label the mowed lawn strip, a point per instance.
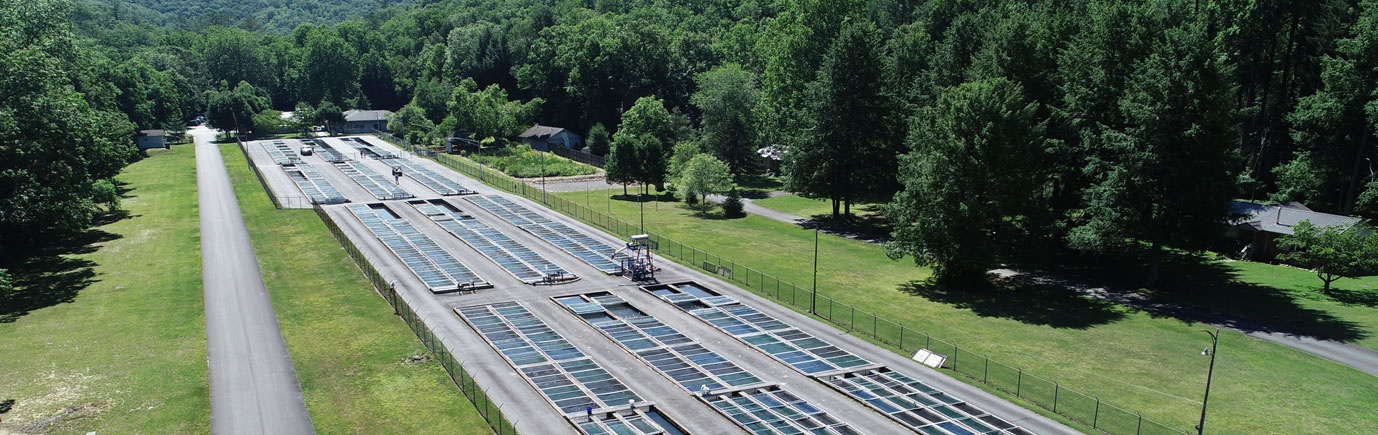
(128, 353)
(349, 350)
(1129, 358)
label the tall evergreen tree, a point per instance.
(848, 150)
(1334, 128)
(598, 140)
(1166, 178)
(974, 177)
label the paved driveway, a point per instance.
(253, 387)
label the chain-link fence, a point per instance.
(1075, 405)
(490, 410)
(578, 156)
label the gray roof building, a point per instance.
(543, 137)
(354, 115)
(1282, 218)
(364, 121)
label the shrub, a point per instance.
(732, 207)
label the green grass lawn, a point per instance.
(1285, 296)
(348, 348)
(109, 334)
(522, 162)
(1129, 358)
(801, 206)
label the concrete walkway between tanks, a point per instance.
(253, 386)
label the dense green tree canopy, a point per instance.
(1167, 177)
(234, 109)
(972, 179)
(1133, 95)
(726, 99)
(58, 151)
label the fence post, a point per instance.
(985, 374)
(901, 337)
(1140, 428)
(927, 341)
(954, 358)
(1019, 383)
(1095, 419)
(1056, 388)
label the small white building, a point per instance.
(542, 137)
(149, 139)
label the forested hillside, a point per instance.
(271, 16)
(1076, 124)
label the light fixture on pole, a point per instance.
(1215, 339)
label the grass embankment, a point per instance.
(109, 334)
(523, 162)
(1129, 358)
(349, 350)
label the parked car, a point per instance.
(306, 150)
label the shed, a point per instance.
(542, 137)
(149, 139)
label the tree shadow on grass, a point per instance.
(650, 197)
(1368, 298)
(871, 227)
(48, 273)
(1021, 301)
(1194, 289)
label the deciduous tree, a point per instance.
(1332, 252)
(706, 175)
(727, 98)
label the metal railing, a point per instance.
(490, 411)
(1051, 395)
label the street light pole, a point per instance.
(1215, 339)
(813, 297)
